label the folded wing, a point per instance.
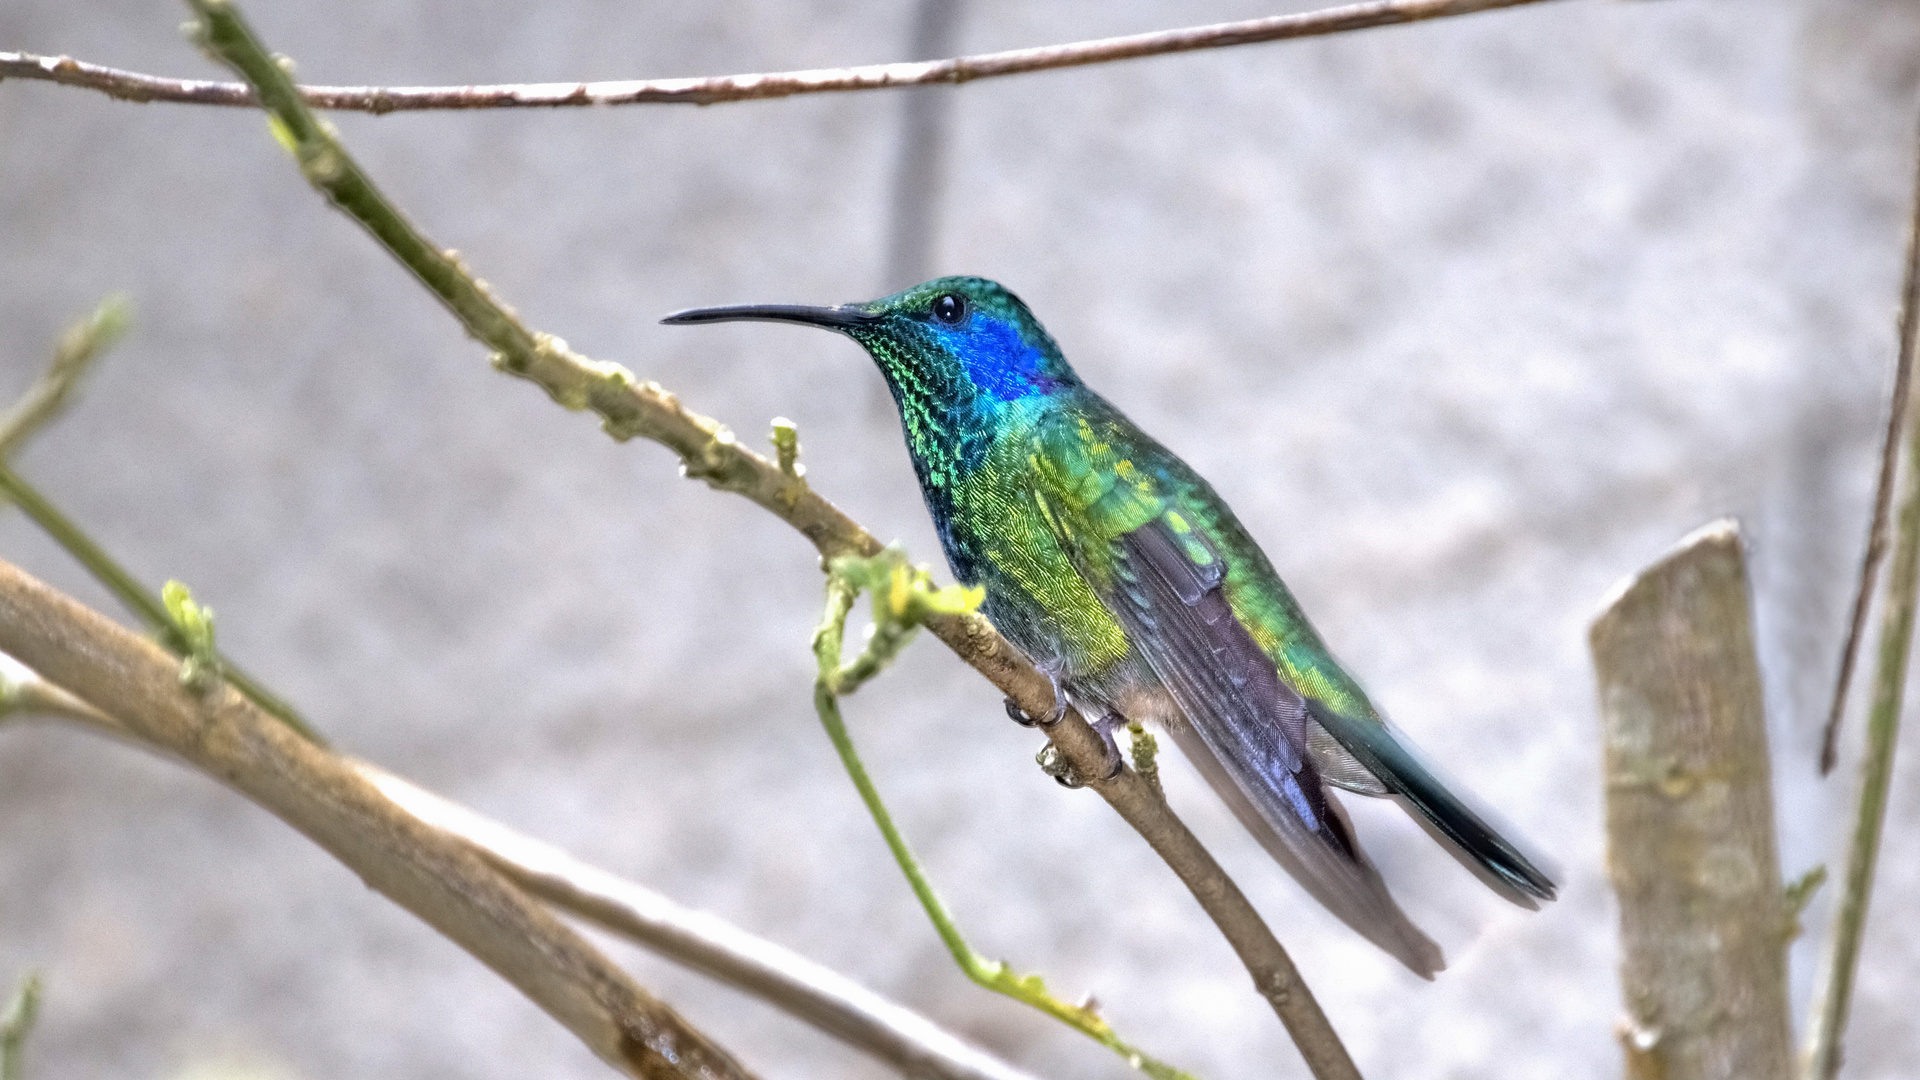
(1247, 731)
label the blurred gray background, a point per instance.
(1467, 319)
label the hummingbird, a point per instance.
(1128, 581)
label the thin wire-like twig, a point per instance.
(713, 90)
(1882, 492)
(1829, 1021)
(708, 451)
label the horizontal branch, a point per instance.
(713, 90)
(806, 990)
(420, 868)
(708, 451)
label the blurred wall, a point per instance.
(1467, 319)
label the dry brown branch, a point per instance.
(712, 90)
(813, 993)
(1690, 844)
(1883, 489)
(437, 878)
(818, 995)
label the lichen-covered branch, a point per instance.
(436, 877)
(629, 407)
(1703, 919)
(712, 90)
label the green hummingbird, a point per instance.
(1124, 578)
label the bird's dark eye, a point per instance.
(950, 308)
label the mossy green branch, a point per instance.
(631, 407)
(903, 596)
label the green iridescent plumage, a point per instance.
(1123, 576)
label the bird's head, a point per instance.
(948, 342)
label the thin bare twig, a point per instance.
(439, 879)
(1882, 491)
(808, 991)
(1829, 1021)
(708, 451)
(713, 90)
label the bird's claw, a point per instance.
(1105, 727)
(1020, 716)
(1055, 764)
(1026, 719)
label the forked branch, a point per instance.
(422, 869)
(629, 407)
(804, 989)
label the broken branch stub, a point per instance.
(1690, 841)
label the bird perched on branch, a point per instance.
(1123, 576)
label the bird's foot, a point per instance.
(1055, 764)
(1020, 716)
(1105, 727)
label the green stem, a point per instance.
(137, 598)
(15, 1023)
(1829, 1022)
(82, 344)
(903, 597)
(994, 975)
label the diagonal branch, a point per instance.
(1828, 1024)
(83, 343)
(436, 877)
(629, 407)
(712, 90)
(1882, 492)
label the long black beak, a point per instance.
(833, 318)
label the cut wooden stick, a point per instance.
(1690, 840)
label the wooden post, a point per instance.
(1703, 922)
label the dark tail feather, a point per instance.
(1338, 875)
(1463, 831)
